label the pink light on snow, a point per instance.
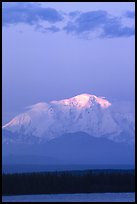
(83, 101)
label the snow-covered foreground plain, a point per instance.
(90, 197)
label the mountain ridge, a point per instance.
(85, 112)
(71, 148)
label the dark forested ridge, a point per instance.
(69, 182)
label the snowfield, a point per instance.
(90, 197)
(88, 113)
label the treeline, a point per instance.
(68, 182)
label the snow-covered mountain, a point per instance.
(87, 113)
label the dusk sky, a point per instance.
(53, 51)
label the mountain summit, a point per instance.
(85, 112)
(84, 101)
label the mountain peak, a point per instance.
(85, 112)
(84, 101)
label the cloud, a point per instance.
(92, 24)
(29, 13)
(44, 29)
(99, 22)
(74, 14)
(53, 29)
(86, 22)
(130, 14)
(114, 28)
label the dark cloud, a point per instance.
(53, 29)
(130, 14)
(86, 22)
(74, 14)
(89, 22)
(114, 28)
(44, 29)
(82, 24)
(30, 13)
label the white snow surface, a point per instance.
(88, 113)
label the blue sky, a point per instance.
(57, 50)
